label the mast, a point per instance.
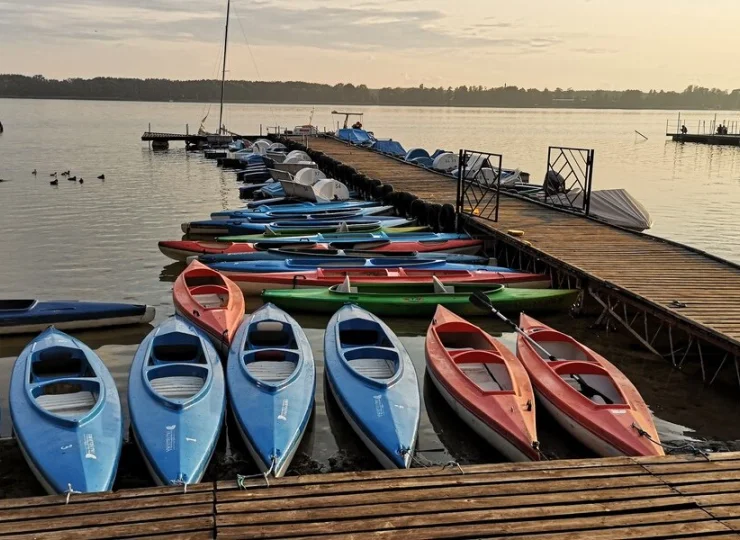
(223, 72)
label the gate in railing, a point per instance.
(568, 179)
(478, 182)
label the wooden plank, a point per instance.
(127, 530)
(475, 529)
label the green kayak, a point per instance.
(286, 232)
(419, 300)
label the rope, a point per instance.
(671, 447)
(241, 478)
(453, 465)
(416, 458)
(536, 446)
(70, 492)
(180, 481)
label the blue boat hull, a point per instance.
(312, 263)
(245, 226)
(70, 444)
(338, 256)
(32, 316)
(176, 435)
(289, 205)
(384, 413)
(329, 238)
(271, 416)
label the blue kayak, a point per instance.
(176, 399)
(292, 227)
(328, 238)
(290, 205)
(341, 255)
(33, 316)
(312, 263)
(271, 379)
(66, 414)
(253, 215)
(374, 382)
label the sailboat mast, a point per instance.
(223, 73)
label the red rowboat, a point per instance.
(587, 395)
(484, 383)
(209, 300)
(255, 283)
(180, 250)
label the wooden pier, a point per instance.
(679, 302)
(703, 138)
(596, 499)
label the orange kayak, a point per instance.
(484, 383)
(211, 301)
(587, 394)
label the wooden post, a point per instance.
(186, 130)
(260, 130)
(150, 130)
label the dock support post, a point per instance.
(608, 309)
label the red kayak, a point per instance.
(255, 283)
(587, 395)
(210, 301)
(180, 250)
(484, 383)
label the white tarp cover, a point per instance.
(615, 206)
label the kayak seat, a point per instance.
(271, 371)
(271, 334)
(441, 288)
(177, 387)
(72, 404)
(481, 377)
(562, 350)
(211, 301)
(374, 368)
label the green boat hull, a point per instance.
(420, 300)
(251, 238)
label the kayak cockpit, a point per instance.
(211, 296)
(17, 305)
(177, 368)
(62, 382)
(476, 357)
(272, 352)
(367, 350)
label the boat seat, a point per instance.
(482, 377)
(374, 368)
(210, 301)
(441, 288)
(271, 371)
(562, 350)
(177, 387)
(74, 404)
(270, 334)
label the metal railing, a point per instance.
(478, 183)
(569, 177)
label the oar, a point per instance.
(481, 301)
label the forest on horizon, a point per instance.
(125, 89)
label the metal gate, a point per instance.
(568, 179)
(478, 182)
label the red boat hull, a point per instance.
(609, 428)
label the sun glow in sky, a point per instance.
(585, 44)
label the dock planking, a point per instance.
(646, 271)
(662, 497)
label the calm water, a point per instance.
(98, 240)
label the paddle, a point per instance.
(481, 301)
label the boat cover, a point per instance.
(389, 146)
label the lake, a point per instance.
(98, 240)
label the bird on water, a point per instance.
(73, 178)
(65, 173)
(53, 174)
(81, 180)
(101, 177)
(54, 182)
(33, 172)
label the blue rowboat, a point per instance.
(290, 205)
(374, 382)
(176, 399)
(66, 414)
(271, 379)
(315, 212)
(341, 255)
(327, 238)
(33, 316)
(290, 227)
(312, 263)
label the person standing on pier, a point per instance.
(684, 129)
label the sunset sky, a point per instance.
(661, 44)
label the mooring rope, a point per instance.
(242, 478)
(70, 492)
(180, 481)
(671, 447)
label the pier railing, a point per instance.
(569, 178)
(478, 183)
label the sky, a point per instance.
(583, 44)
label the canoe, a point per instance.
(33, 316)
(180, 250)
(302, 264)
(346, 237)
(586, 394)
(210, 301)
(484, 383)
(176, 401)
(271, 379)
(297, 227)
(291, 206)
(419, 300)
(256, 214)
(374, 383)
(276, 254)
(255, 283)
(66, 414)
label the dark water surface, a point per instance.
(98, 240)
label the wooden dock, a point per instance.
(596, 499)
(646, 284)
(706, 138)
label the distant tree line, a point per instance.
(110, 88)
